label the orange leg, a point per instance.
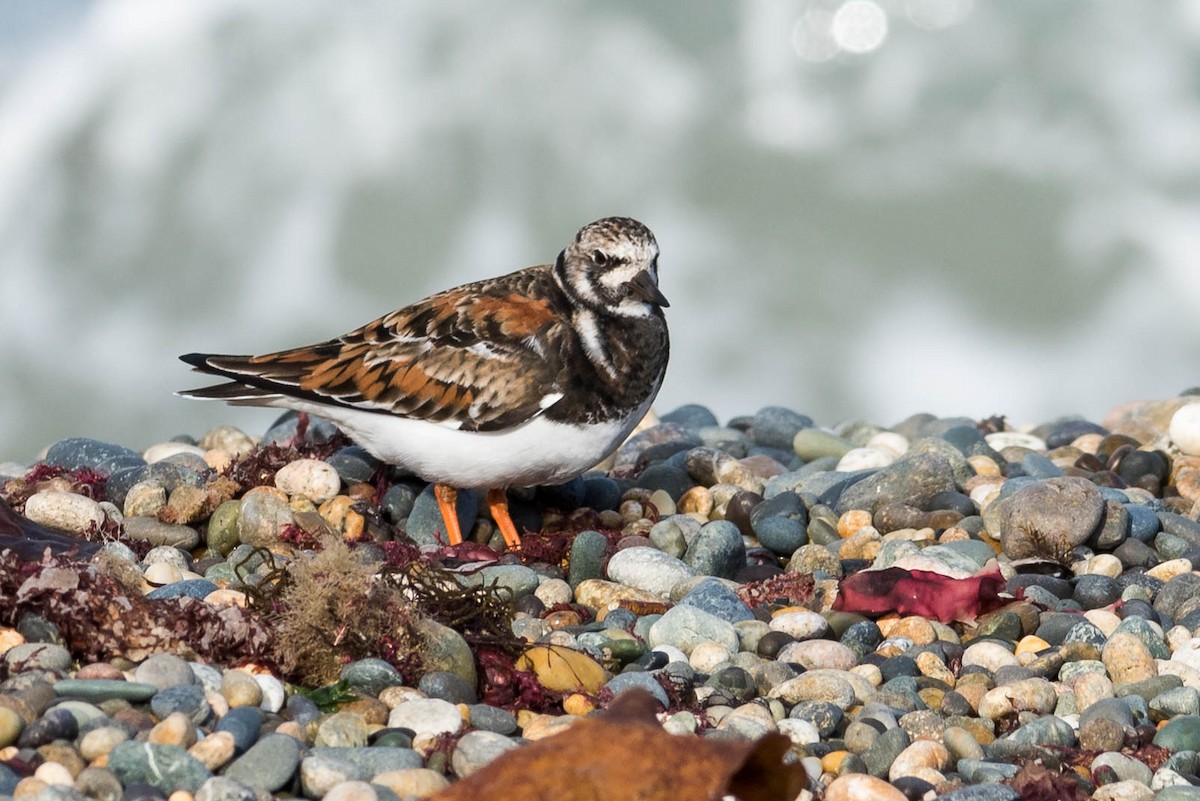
(447, 500)
(498, 505)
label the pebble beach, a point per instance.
(942, 607)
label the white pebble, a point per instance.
(800, 732)
(1184, 429)
(160, 573)
(673, 653)
(54, 773)
(1014, 439)
(430, 716)
(708, 655)
(990, 655)
(865, 459)
(801, 625)
(273, 691)
(889, 441)
(64, 511)
(309, 478)
(553, 592)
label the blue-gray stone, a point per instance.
(883, 752)
(1180, 734)
(1048, 730)
(55, 724)
(1175, 702)
(269, 764)
(74, 453)
(964, 437)
(1175, 593)
(1039, 466)
(1178, 792)
(715, 598)
(822, 714)
(424, 525)
(982, 792)
(776, 426)
(188, 588)
(515, 580)
(1143, 522)
(910, 480)
(1180, 526)
(564, 497)
(397, 502)
(448, 687)
(8, 780)
(691, 416)
(862, 637)
(374, 759)
(354, 464)
(982, 771)
(244, 723)
(105, 689)
(781, 523)
(625, 681)
(165, 767)
(493, 718)
(600, 493)
(85, 714)
(587, 557)
(717, 550)
(371, 676)
(1095, 591)
(171, 476)
(301, 709)
(186, 698)
(673, 480)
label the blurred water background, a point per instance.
(867, 208)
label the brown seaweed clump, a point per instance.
(334, 608)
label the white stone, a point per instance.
(865, 459)
(673, 653)
(274, 693)
(64, 511)
(1014, 439)
(802, 625)
(708, 655)
(553, 592)
(1103, 564)
(160, 573)
(1184, 429)
(889, 441)
(309, 478)
(990, 655)
(431, 716)
(800, 732)
(54, 773)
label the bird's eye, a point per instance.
(599, 258)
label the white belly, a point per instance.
(538, 452)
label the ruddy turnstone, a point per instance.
(525, 379)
